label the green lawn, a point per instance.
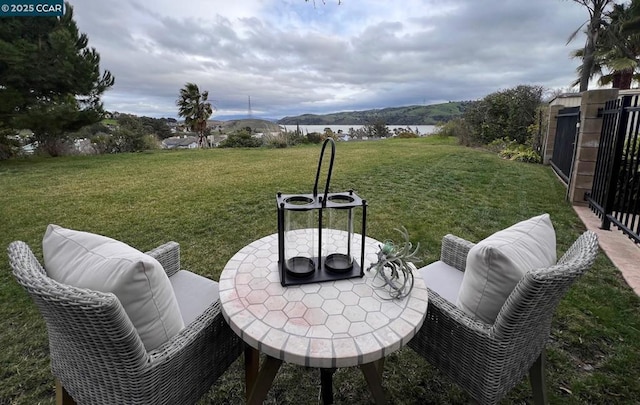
(213, 202)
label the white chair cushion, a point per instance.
(194, 294)
(496, 264)
(443, 279)
(96, 262)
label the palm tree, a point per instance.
(633, 25)
(616, 51)
(195, 109)
(596, 9)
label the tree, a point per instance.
(195, 109)
(377, 128)
(130, 136)
(241, 139)
(594, 25)
(157, 126)
(504, 114)
(50, 81)
(618, 50)
(633, 25)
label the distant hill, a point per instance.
(409, 115)
(256, 125)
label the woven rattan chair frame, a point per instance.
(96, 354)
(485, 360)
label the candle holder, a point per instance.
(309, 252)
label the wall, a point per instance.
(588, 139)
(587, 143)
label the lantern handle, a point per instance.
(326, 186)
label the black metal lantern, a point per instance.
(309, 252)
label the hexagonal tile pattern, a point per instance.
(329, 293)
(312, 300)
(275, 302)
(333, 307)
(332, 324)
(276, 318)
(354, 313)
(315, 316)
(257, 297)
(348, 298)
(338, 324)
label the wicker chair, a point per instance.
(98, 358)
(485, 360)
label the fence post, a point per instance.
(547, 151)
(587, 143)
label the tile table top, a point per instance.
(331, 324)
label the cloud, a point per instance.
(291, 57)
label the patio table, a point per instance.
(326, 325)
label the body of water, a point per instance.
(422, 129)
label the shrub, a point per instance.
(241, 139)
(9, 145)
(276, 141)
(101, 143)
(314, 137)
(504, 113)
(152, 142)
(127, 140)
(456, 128)
(507, 153)
(500, 144)
(520, 153)
(527, 156)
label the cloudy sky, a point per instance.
(291, 57)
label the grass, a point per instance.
(110, 121)
(213, 202)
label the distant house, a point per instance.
(215, 143)
(180, 142)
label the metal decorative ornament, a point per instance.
(394, 268)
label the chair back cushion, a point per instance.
(96, 262)
(496, 264)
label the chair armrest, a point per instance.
(208, 335)
(185, 337)
(448, 312)
(449, 338)
(454, 251)
(168, 255)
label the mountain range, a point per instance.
(409, 115)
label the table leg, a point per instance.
(380, 367)
(326, 385)
(372, 374)
(251, 365)
(258, 389)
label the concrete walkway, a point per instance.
(624, 254)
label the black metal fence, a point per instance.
(565, 140)
(615, 194)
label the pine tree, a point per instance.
(50, 81)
